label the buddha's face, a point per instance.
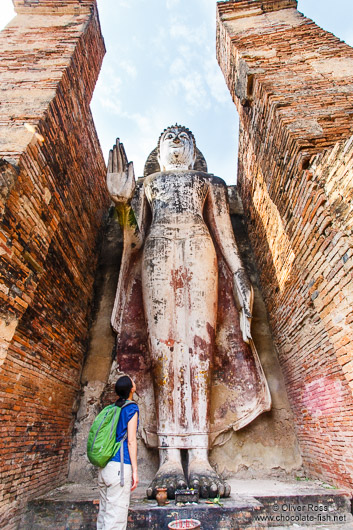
(176, 150)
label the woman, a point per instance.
(114, 499)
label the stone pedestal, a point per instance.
(253, 504)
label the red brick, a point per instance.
(294, 176)
(56, 202)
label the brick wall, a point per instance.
(291, 83)
(53, 204)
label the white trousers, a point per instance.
(114, 499)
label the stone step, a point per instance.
(253, 504)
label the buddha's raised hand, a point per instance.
(120, 175)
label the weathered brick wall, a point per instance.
(52, 7)
(292, 84)
(53, 204)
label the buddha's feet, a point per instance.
(202, 477)
(170, 475)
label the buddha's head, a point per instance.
(176, 148)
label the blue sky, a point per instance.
(160, 68)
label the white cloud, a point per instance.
(124, 3)
(195, 93)
(168, 47)
(108, 89)
(178, 67)
(194, 73)
(191, 89)
(129, 68)
(113, 104)
(215, 81)
(194, 35)
(109, 82)
(172, 3)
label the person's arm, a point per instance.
(132, 446)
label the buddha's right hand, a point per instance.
(120, 175)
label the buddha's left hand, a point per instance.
(244, 296)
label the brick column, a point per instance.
(53, 203)
(292, 84)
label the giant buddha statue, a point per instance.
(177, 221)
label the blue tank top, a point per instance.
(125, 416)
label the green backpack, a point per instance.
(101, 443)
